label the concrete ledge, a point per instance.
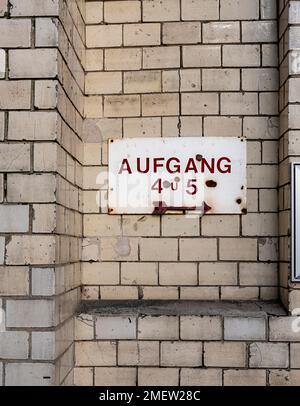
(181, 308)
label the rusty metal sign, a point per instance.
(177, 175)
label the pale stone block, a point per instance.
(173, 225)
(31, 125)
(93, 106)
(161, 57)
(119, 293)
(14, 281)
(190, 80)
(239, 10)
(94, 59)
(14, 157)
(14, 344)
(238, 249)
(46, 32)
(158, 328)
(119, 248)
(136, 353)
(284, 378)
(268, 249)
(241, 55)
(43, 345)
(45, 94)
(198, 249)
(84, 327)
(269, 55)
(102, 36)
(225, 354)
(103, 82)
(185, 354)
(200, 103)
(139, 273)
(90, 293)
(239, 104)
(295, 355)
(260, 79)
(244, 328)
(120, 106)
(115, 376)
(122, 11)
(2, 120)
(112, 328)
(281, 329)
(29, 374)
(201, 55)
(259, 274)
(217, 273)
(123, 59)
(267, 355)
(158, 249)
(178, 274)
(161, 10)
(241, 377)
(95, 353)
(222, 126)
(221, 32)
(15, 33)
(2, 249)
(161, 293)
(141, 34)
(43, 281)
(137, 225)
(2, 63)
(268, 103)
(94, 12)
(200, 10)
(261, 127)
(268, 9)
(200, 377)
(101, 224)
(259, 31)
(142, 82)
(158, 376)
(170, 80)
(100, 273)
(3, 7)
(191, 126)
(262, 176)
(31, 188)
(34, 8)
(262, 224)
(221, 79)
(83, 376)
(32, 63)
(30, 313)
(142, 127)
(239, 293)
(14, 219)
(220, 225)
(15, 94)
(92, 153)
(201, 328)
(182, 33)
(199, 293)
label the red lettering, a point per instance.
(211, 167)
(191, 166)
(176, 168)
(156, 164)
(125, 166)
(227, 168)
(146, 170)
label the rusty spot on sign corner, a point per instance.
(239, 200)
(110, 210)
(211, 183)
(206, 207)
(199, 157)
(242, 187)
(244, 211)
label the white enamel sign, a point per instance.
(295, 220)
(162, 175)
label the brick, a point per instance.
(267, 355)
(220, 225)
(262, 176)
(177, 274)
(281, 329)
(161, 57)
(161, 10)
(15, 94)
(84, 327)
(29, 374)
(259, 79)
(239, 10)
(142, 82)
(44, 218)
(94, 12)
(94, 59)
(222, 126)
(115, 376)
(200, 377)
(46, 157)
(225, 354)
(200, 103)
(201, 55)
(136, 353)
(43, 281)
(170, 81)
(240, 377)
(45, 94)
(241, 55)
(239, 293)
(201, 328)
(3, 7)
(32, 125)
(161, 293)
(261, 127)
(83, 376)
(238, 249)
(100, 273)
(295, 355)
(191, 126)
(142, 127)
(15, 33)
(160, 104)
(284, 378)
(270, 152)
(158, 328)
(102, 36)
(2, 122)
(90, 293)
(122, 11)
(14, 219)
(158, 249)
(30, 249)
(239, 103)
(120, 106)
(92, 153)
(221, 32)
(268, 9)
(173, 225)
(2, 63)
(93, 105)
(1, 188)
(140, 225)
(182, 33)
(268, 103)
(141, 34)
(34, 8)
(123, 59)
(109, 328)
(199, 293)
(268, 249)
(244, 328)
(258, 274)
(29, 313)
(14, 281)
(119, 292)
(14, 157)
(95, 353)
(198, 249)
(221, 79)
(259, 31)
(2, 249)
(101, 224)
(139, 274)
(32, 63)
(200, 10)
(269, 55)
(181, 354)
(46, 32)
(217, 274)
(103, 82)
(31, 188)
(119, 248)
(158, 376)
(190, 80)
(43, 345)
(268, 200)
(264, 224)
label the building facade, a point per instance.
(77, 283)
